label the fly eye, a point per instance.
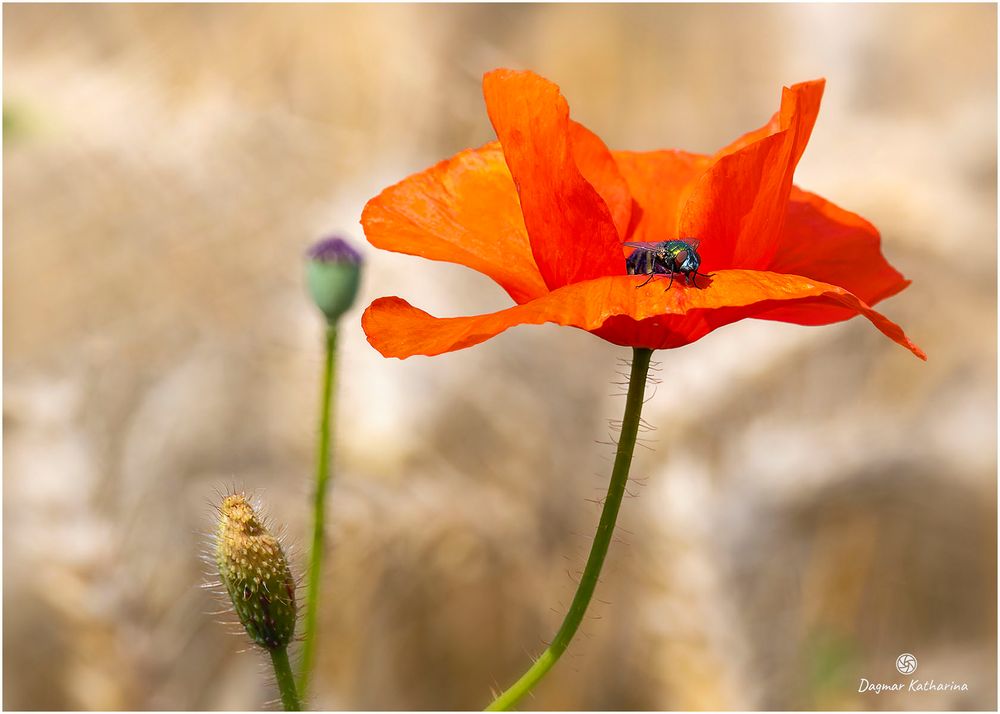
(681, 257)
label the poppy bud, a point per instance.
(333, 272)
(254, 570)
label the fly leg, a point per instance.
(671, 281)
(695, 275)
(651, 274)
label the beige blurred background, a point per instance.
(817, 503)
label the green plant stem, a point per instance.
(602, 539)
(319, 512)
(286, 683)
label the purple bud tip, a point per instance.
(334, 249)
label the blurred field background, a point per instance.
(817, 503)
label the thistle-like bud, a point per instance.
(333, 273)
(254, 570)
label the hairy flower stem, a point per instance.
(602, 539)
(319, 512)
(286, 683)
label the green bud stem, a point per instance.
(602, 539)
(286, 683)
(319, 512)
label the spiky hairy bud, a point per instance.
(254, 570)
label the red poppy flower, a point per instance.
(544, 212)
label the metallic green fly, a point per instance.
(667, 257)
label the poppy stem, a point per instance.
(319, 512)
(602, 539)
(286, 683)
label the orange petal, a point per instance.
(773, 126)
(656, 318)
(737, 208)
(825, 242)
(799, 105)
(572, 231)
(659, 182)
(463, 210)
(599, 168)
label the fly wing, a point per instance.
(645, 245)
